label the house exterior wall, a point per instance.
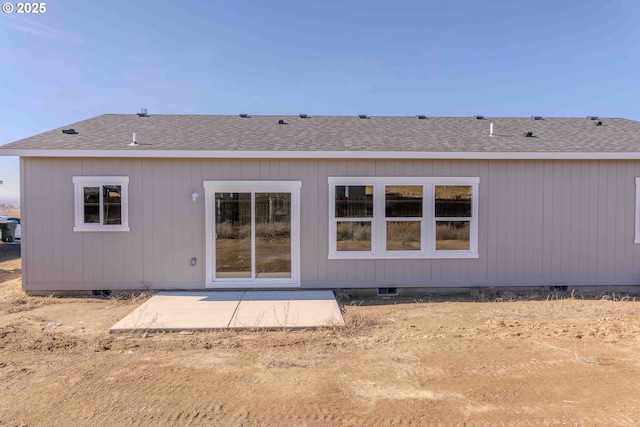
(540, 222)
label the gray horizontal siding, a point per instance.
(540, 223)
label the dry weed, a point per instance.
(358, 323)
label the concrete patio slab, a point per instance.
(205, 310)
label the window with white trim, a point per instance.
(101, 203)
(452, 217)
(403, 217)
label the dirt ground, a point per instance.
(499, 360)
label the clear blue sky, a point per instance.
(83, 58)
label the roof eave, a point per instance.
(425, 155)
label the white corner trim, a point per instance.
(240, 154)
(637, 217)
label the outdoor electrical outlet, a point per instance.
(193, 261)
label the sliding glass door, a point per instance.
(253, 234)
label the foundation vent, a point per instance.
(387, 292)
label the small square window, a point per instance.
(101, 203)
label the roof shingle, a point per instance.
(339, 133)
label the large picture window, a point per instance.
(394, 217)
(101, 203)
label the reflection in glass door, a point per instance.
(273, 235)
(233, 235)
(253, 235)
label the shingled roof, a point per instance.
(331, 134)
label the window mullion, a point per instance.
(101, 204)
(428, 216)
(253, 235)
(380, 226)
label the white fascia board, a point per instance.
(464, 155)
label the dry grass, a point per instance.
(564, 356)
(357, 323)
(10, 212)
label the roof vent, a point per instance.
(244, 115)
(362, 116)
(598, 123)
(303, 116)
(281, 122)
(479, 117)
(69, 131)
(134, 142)
(528, 134)
(422, 117)
(592, 117)
(537, 117)
(143, 113)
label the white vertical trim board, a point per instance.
(637, 238)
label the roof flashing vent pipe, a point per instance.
(134, 142)
(491, 129)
